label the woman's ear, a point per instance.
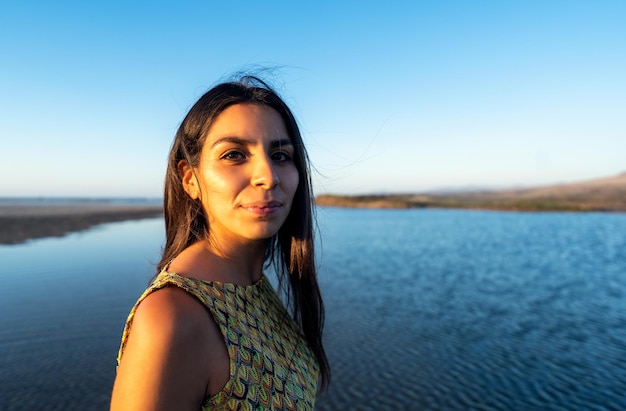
(189, 180)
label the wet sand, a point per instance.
(19, 223)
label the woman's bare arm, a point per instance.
(174, 355)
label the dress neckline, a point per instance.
(257, 283)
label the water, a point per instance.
(457, 310)
(426, 309)
(63, 304)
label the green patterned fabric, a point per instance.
(271, 365)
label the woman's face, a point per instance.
(246, 177)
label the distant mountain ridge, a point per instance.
(603, 194)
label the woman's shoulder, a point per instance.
(168, 343)
(172, 314)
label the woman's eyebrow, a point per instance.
(280, 143)
(231, 139)
(243, 141)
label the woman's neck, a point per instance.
(208, 260)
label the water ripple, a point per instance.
(481, 311)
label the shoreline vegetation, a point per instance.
(22, 222)
(605, 194)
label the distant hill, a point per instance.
(604, 194)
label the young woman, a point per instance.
(211, 332)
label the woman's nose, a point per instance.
(264, 172)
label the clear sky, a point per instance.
(392, 96)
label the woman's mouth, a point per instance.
(263, 208)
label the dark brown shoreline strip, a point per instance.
(17, 228)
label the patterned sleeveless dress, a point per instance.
(271, 365)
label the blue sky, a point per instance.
(402, 96)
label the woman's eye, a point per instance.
(281, 156)
(233, 156)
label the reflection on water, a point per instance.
(426, 309)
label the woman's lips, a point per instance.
(263, 208)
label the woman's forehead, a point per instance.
(248, 121)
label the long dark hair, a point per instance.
(291, 250)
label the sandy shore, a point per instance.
(19, 223)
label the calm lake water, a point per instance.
(426, 310)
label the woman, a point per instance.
(210, 332)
